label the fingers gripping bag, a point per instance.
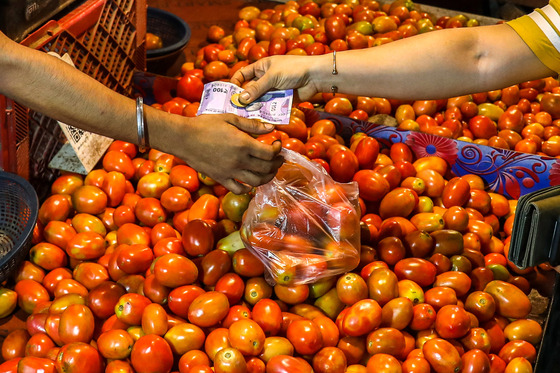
(303, 225)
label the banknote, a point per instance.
(223, 97)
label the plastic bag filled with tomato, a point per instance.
(303, 225)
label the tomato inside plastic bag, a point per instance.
(303, 225)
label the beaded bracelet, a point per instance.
(143, 143)
(334, 88)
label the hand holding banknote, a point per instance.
(222, 97)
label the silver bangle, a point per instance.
(334, 88)
(143, 143)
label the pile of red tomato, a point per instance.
(140, 267)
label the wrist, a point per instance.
(323, 72)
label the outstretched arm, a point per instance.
(440, 64)
(220, 146)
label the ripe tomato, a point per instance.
(442, 356)
(475, 361)
(66, 184)
(268, 314)
(371, 184)
(90, 274)
(361, 318)
(232, 285)
(151, 353)
(184, 176)
(245, 263)
(344, 164)
(198, 238)
(115, 160)
(29, 294)
(76, 324)
(35, 364)
(287, 364)
(174, 270)
(367, 151)
(510, 300)
(383, 363)
(329, 359)
(216, 340)
(191, 359)
(247, 336)
(175, 199)
(130, 307)
(150, 212)
(102, 299)
(89, 199)
(180, 299)
(190, 88)
(55, 207)
(49, 256)
(213, 266)
(305, 336)
(208, 309)
(230, 360)
(86, 246)
(134, 258)
(452, 322)
(115, 344)
(14, 344)
(383, 285)
(351, 288)
(153, 184)
(184, 337)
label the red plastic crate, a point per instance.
(105, 39)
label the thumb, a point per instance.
(254, 90)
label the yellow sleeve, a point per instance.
(540, 30)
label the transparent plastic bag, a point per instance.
(303, 225)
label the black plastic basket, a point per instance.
(174, 32)
(19, 207)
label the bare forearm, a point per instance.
(54, 88)
(438, 64)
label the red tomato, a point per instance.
(383, 363)
(115, 344)
(190, 88)
(366, 151)
(174, 270)
(151, 353)
(268, 315)
(102, 299)
(371, 184)
(49, 256)
(76, 324)
(184, 176)
(30, 294)
(418, 270)
(343, 164)
(361, 318)
(247, 336)
(86, 246)
(287, 364)
(305, 336)
(89, 199)
(180, 299)
(130, 307)
(208, 309)
(442, 356)
(452, 322)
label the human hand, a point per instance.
(276, 72)
(221, 146)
